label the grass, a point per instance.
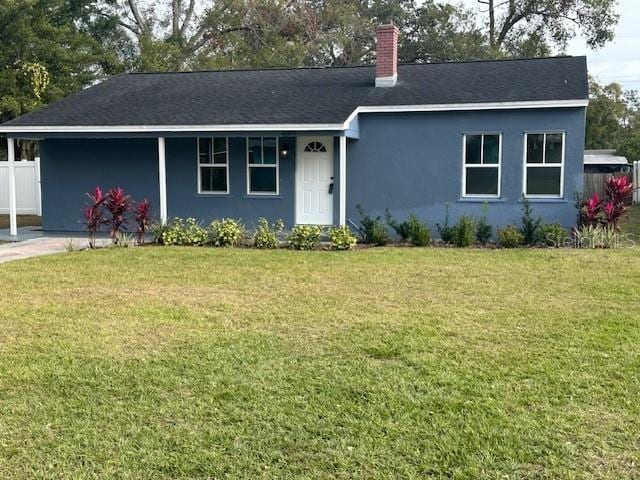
(376, 364)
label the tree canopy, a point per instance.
(613, 119)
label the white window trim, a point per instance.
(219, 165)
(481, 164)
(544, 163)
(261, 165)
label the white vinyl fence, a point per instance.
(636, 182)
(27, 187)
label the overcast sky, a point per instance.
(619, 61)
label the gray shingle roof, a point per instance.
(307, 95)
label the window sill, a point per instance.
(481, 200)
(264, 195)
(213, 195)
(545, 200)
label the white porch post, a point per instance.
(343, 180)
(38, 187)
(162, 178)
(13, 214)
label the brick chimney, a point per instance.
(387, 55)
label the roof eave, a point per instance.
(312, 127)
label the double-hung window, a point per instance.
(213, 165)
(544, 164)
(262, 166)
(481, 175)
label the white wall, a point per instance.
(27, 187)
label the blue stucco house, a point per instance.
(308, 145)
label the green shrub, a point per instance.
(420, 235)
(266, 236)
(412, 229)
(484, 231)
(611, 237)
(227, 232)
(305, 237)
(342, 238)
(182, 232)
(447, 233)
(123, 240)
(401, 228)
(552, 235)
(530, 225)
(157, 231)
(510, 237)
(465, 232)
(373, 230)
(597, 236)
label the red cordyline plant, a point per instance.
(618, 189)
(94, 214)
(143, 219)
(118, 203)
(591, 211)
(607, 212)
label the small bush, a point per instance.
(597, 236)
(447, 233)
(227, 232)
(342, 238)
(588, 236)
(552, 235)
(510, 237)
(484, 231)
(182, 232)
(94, 214)
(305, 237)
(611, 238)
(373, 230)
(401, 228)
(123, 240)
(118, 204)
(609, 211)
(412, 229)
(157, 231)
(530, 225)
(266, 236)
(419, 233)
(143, 219)
(465, 232)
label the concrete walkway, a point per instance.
(35, 247)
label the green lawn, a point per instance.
(382, 363)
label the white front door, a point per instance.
(314, 180)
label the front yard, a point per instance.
(381, 363)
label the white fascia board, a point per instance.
(444, 107)
(456, 107)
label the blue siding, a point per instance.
(412, 163)
(408, 163)
(72, 167)
(183, 199)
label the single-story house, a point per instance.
(604, 161)
(308, 145)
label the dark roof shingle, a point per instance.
(306, 95)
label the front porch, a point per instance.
(299, 177)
